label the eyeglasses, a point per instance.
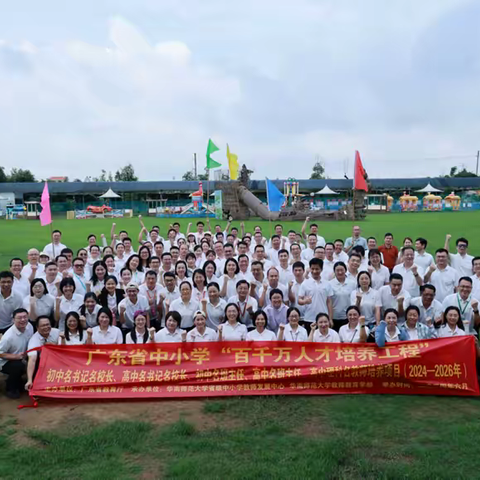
(79, 265)
(461, 245)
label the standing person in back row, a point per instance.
(389, 252)
(355, 239)
(460, 261)
(55, 248)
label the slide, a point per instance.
(254, 204)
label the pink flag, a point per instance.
(46, 214)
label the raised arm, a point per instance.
(304, 227)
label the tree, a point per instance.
(318, 172)
(3, 176)
(126, 174)
(190, 177)
(103, 176)
(110, 177)
(19, 175)
(455, 173)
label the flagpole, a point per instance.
(208, 196)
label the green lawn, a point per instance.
(20, 235)
(294, 437)
(341, 437)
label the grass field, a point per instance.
(296, 437)
(338, 437)
(19, 235)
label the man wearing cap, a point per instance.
(53, 249)
(132, 303)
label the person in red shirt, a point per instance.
(389, 251)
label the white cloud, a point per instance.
(281, 81)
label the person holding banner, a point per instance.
(452, 324)
(321, 332)
(44, 334)
(74, 333)
(140, 334)
(171, 332)
(355, 330)
(201, 333)
(261, 332)
(388, 331)
(13, 347)
(104, 333)
(292, 331)
(232, 330)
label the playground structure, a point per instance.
(290, 191)
(432, 203)
(408, 203)
(452, 202)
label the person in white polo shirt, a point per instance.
(45, 334)
(132, 303)
(467, 305)
(105, 333)
(453, 325)
(172, 332)
(247, 304)
(422, 258)
(314, 294)
(476, 277)
(21, 284)
(321, 331)
(186, 305)
(411, 274)
(355, 330)
(267, 287)
(261, 332)
(53, 249)
(9, 301)
(442, 276)
(13, 348)
(308, 253)
(342, 289)
(460, 261)
(428, 306)
(292, 331)
(232, 330)
(214, 307)
(365, 298)
(392, 296)
(201, 333)
(33, 268)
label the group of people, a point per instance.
(232, 285)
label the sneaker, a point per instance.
(14, 394)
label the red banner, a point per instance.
(433, 367)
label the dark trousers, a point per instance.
(15, 370)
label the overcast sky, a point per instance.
(97, 84)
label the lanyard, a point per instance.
(462, 310)
(81, 281)
(244, 307)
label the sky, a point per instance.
(102, 83)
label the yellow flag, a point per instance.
(232, 164)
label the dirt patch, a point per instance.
(57, 414)
(314, 428)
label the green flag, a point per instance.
(212, 148)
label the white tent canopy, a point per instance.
(428, 189)
(110, 194)
(326, 191)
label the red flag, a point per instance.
(360, 175)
